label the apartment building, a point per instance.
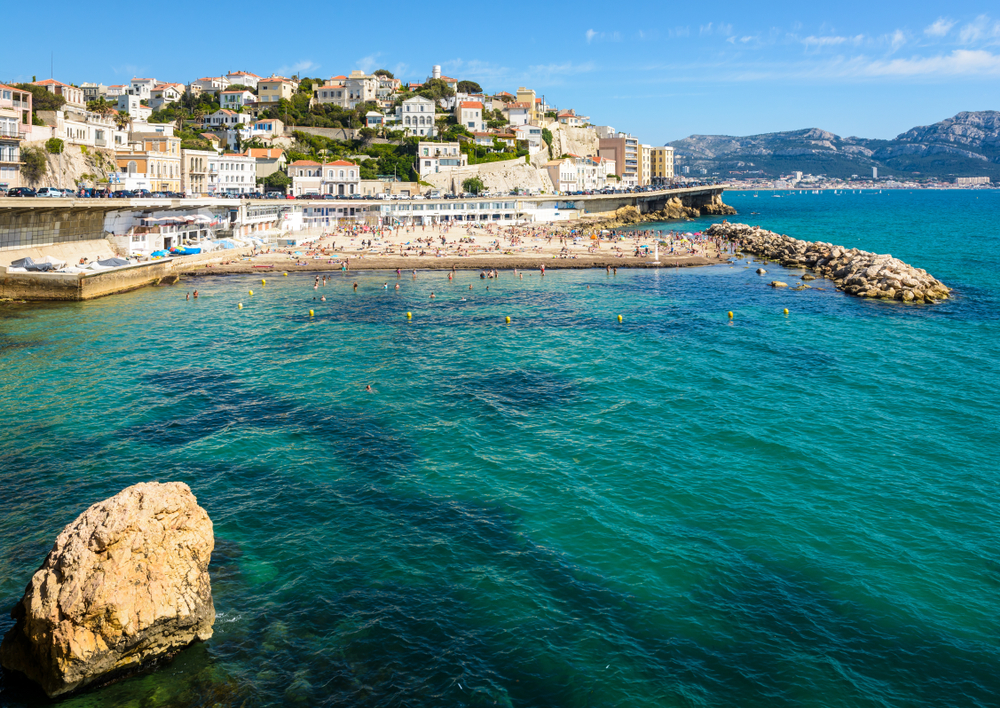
(340, 178)
(432, 157)
(244, 78)
(662, 164)
(232, 173)
(624, 150)
(72, 94)
(195, 171)
(273, 89)
(15, 126)
(417, 115)
(157, 156)
(470, 115)
(645, 165)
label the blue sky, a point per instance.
(661, 71)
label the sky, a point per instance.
(659, 70)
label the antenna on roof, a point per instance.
(52, 65)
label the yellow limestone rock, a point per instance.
(125, 585)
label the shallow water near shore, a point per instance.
(676, 510)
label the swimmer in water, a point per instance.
(397, 286)
(470, 287)
(195, 294)
(368, 388)
(385, 286)
(432, 296)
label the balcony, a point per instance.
(11, 134)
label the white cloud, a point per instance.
(299, 68)
(980, 30)
(961, 62)
(939, 28)
(369, 63)
(592, 35)
(896, 40)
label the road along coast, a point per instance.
(856, 272)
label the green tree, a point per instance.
(54, 146)
(473, 184)
(42, 99)
(33, 163)
(469, 87)
(383, 72)
(277, 181)
(367, 134)
(436, 89)
(547, 137)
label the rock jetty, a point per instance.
(854, 271)
(125, 585)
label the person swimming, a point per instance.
(385, 286)
(397, 286)
(355, 287)
(369, 389)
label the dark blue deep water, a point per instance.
(678, 510)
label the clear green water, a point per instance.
(564, 511)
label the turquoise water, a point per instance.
(677, 510)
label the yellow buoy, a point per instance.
(284, 273)
(240, 305)
(310, 313)
(619, 318)
(786, 310)
(251, 292)
(730, 314)
(263, 281)
(508, 319)
(409, 315)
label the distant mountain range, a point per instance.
(967, 145)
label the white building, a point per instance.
(435, 157)
(131, 105)
(470, 115)
(348, 91)
(264, 130)
(163, 94)
(571, 119)
(232, 173)
(417, 115)
(244, 78)
(234, 100)
(143, 88)
(533, 135)
(518, 113)
(224, 118)
(340, 178)
(208, 84)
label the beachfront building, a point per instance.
(232, 173)
(417, 115)
(268, 160)
(624, 150)
(562, 173)
(436, 157)
(195, 171)
(339, 178)
(273, 89)
(645, 173)
(15, 127)
(662, 165)
(156, 157)
(470, 115)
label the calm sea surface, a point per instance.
(678, 510)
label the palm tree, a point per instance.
(122, 120)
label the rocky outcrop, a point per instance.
(674, 209)
(854, 271)
(125, 585)
(75, 165)
(503, 177)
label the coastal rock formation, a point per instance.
(125, 585)
(674, 209)
(854, 271)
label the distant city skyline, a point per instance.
(660, 72)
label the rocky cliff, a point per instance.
(76, 164)
(497, 176)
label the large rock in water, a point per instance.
(126, 584)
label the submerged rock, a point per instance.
(778, 284)
(125, 585)
(761, 271)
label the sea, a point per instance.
(677, 509)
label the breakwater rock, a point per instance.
(854, 271)
(674, 209)
(125, 585)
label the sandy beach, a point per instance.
(468, 247)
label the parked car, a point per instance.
(49, 192)
(21, 192)
(289, 196)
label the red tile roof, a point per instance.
(304, 163)
(271, 153)
(471, 104)
(341, 163)
(49, 82)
